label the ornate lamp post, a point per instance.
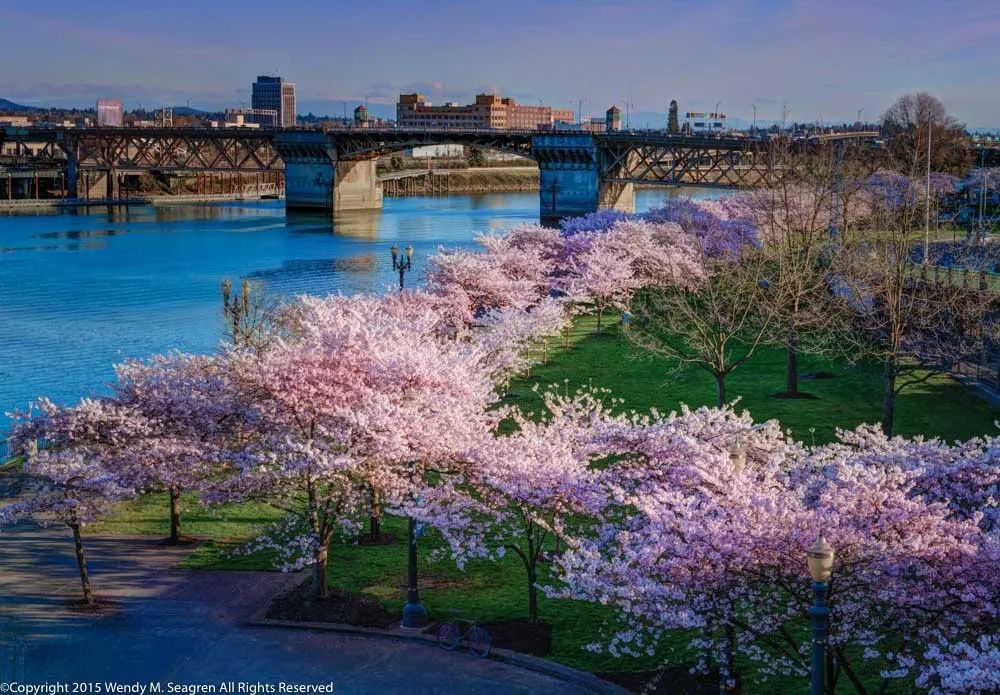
(414, 613)
(738, 456)
(401, 264)
(820, 560)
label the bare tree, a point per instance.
(916, 319)
(812, 200)
(251, 317)
(716, 327)
(914, 118)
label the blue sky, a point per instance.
(825, 60)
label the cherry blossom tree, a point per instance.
(721, 226)
(350, 416)
(69, 476)
(191, 410)
(970, 668)
(605, 269)
(503, 274)
(714, 518)
(525, 487)
(509, 337)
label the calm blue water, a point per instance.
(80, 290)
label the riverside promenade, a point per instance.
(169, 625)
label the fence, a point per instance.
(11, 659)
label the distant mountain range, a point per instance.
(10, 107)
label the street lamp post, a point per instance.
(414, 613)
(820, 561)
(401, 264)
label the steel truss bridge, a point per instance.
(579, 171)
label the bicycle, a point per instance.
(450, 634)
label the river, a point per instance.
(81, 290)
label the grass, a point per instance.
(940, 407)
(496, 591)
(224, 529)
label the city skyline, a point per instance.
(803, 59)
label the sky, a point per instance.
(815, 61)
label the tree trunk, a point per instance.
(375, 520)
(889, 398)
(791, 365)
(81, 561)
(720, 390)
(320, 588)
(600, 315)
(733, 677)
(175, 516)
(532, 592)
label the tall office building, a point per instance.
(275, 94)
(109, 113)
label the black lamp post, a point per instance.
(820, 561)
(414, 613)
(401, 264)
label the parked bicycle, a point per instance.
(455, 630)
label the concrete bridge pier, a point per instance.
(615, 195)
(570, 181)
(356, 185)
(316, 180)
(72, 175)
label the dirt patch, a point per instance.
(100, 606)
(800, 395)
(382, 539)
(522, 636)
(339, 607)
(181, 541)
(670, 681)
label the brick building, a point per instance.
(490, 111)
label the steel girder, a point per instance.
(365, 144)
(179, 150)
(698, 161)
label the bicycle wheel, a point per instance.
(448, 636)
(479, 641)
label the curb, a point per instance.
(587, 681)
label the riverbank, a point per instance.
(475, 180)
(50, 203)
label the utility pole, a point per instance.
(753, 128)
(982, 193)
(927, 195)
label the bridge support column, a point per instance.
(72, 175)
(569, 182)
(316, 180)
(309, 159)
(356, 186)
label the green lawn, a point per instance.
(497, 591)
(940, 407)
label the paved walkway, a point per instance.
(182, 626)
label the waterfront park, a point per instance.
(738, 444)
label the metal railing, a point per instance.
(11, 658)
